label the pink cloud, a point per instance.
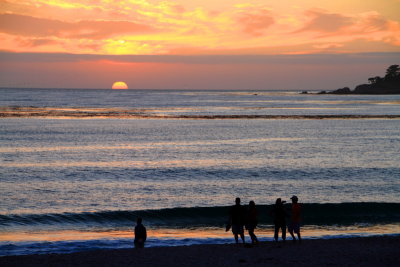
(374, 22)
(256, 22)
(178, 9)
(322, 21)
(35, 42)
(38, 27)
(370, 26)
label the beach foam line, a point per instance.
(85, 113)
(59, 242)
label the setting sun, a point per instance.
(119, 85)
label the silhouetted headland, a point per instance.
(388, 85)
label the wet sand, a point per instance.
(365, 251)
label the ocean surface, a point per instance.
(72, 183)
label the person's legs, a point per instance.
(298, 234)
(283, 226)
(276, 233)
(291, 233)
(290, 228)
(236, 238)
(242, 237)
(235, 231)
(241, 232)
(252, 236)
(139, 244)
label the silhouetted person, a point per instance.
(140, 234)
(279, 215)
(294, 225)
(252, 221)
(237, 217)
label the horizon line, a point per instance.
(311, 58)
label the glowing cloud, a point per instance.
(209, 27)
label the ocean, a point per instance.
(79, 166)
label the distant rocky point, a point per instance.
(388, 85)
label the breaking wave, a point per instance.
(313, 214)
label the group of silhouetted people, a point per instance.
(280, 214)
(241, 218)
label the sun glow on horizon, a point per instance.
(119, 85)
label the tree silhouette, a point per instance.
(378, 79)
(392, 72)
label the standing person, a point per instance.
(252, 221)
(295, 219)
(279, 215)
(140, 234)
(237, 216)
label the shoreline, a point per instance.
(354, 251)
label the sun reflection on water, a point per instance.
(264, 231)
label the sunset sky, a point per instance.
(207, 44)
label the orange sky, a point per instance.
(189, 28)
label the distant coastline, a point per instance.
(388, 85)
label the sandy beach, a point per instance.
(365, 251)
